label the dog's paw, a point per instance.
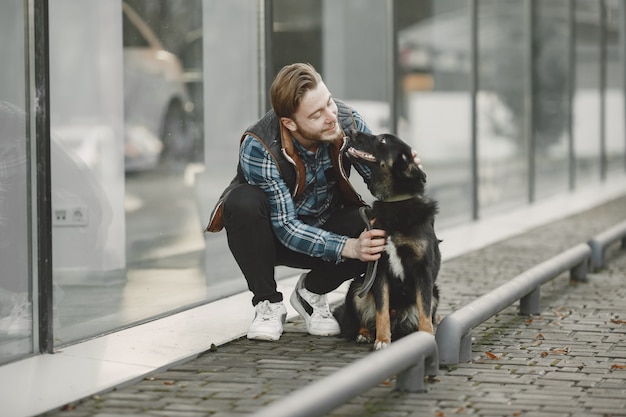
(364, 336)
(380, 344)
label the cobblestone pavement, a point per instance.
(568, 361)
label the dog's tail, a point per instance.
(339, 312)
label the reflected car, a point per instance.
(160, 123)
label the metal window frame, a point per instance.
(40, 176)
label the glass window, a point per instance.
(501, 117)
(586, 129)
(434, 107)
(614, 95)
(16, 314)
(139, 160)
(551, 86)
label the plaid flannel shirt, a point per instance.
(297, 222)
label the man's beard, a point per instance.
(320, 136)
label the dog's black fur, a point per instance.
(404, 295)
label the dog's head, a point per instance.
(394, 171)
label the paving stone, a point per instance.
(529, 377)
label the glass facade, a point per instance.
(506, 102)
(16, 307)
(551, 82)
(502, 136)
(587, 99)
(434, 67)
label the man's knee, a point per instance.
(245, 202)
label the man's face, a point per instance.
(315, 119)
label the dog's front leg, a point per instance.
(383, 322)
(425, 310)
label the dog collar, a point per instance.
(399, 197)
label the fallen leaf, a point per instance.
(615, 321)
(544, 354)
(440, 414)
(616, 366)
(539, 337)
(492, 356)
(563, 351)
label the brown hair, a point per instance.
(291, 84)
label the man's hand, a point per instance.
(367, 247)
(417, 160)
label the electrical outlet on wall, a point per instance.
(70, 216)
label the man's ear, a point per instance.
(288, 123)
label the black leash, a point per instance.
(370, 273)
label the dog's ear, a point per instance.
(410, 169)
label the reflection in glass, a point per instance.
(434, 108)
(16, 308)
(586, 129)
(126, 142)
(502, 143)
(16, 314)
(614, 95)
(551, 83)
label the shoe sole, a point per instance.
(263, 336)
(297, 305)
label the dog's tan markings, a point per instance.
(364, 336)
(383, 322)
(425, 323)
(366, 308)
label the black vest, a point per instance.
(267, 130)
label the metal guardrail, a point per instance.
(454, 336)
(417, 355)
(600, 242)
(411, 358)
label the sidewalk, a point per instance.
(569, 361)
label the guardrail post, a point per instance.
(448, 337)
(599, 243)
(530, 304)
(412, 378)
(579, 272)
(465, 352)
(597, 255)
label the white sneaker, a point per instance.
(314, 310)
(268, 321)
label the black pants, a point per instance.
(257, 250)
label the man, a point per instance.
(291, 204)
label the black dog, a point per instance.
(403, 296)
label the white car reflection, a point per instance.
(158, 112)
